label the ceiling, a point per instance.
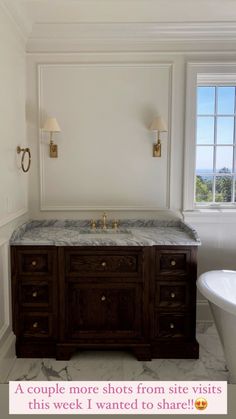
(69, 11)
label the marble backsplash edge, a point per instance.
(127, 223)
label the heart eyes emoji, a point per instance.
(201, 403)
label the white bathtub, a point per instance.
(219, 287)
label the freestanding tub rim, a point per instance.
(219, 287)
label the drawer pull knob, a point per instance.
(104, 264)
(35, 325)
(173, 262)
(34, 263)
(35, 294)
(103, 298)
(172, 326)
(172, 294)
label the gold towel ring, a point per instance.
(24, 150)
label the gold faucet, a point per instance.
(104, 221)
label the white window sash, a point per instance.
(200, 73)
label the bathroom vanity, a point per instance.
(134, 288)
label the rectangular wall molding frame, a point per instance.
(54, 173)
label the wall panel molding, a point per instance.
(11, 217)
(83, 206)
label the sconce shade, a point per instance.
(51, 125)
(158, 124)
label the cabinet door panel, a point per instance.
(104, 311)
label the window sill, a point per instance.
(211, 215)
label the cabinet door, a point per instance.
(104, 311)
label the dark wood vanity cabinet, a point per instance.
(137, 298)
(174, 320)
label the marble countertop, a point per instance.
(129, 233)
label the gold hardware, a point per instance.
(93, 224)
(157, 149)
(103, 298)
(158, 125)
(104, 264)
(115, 224)
(173, 263)
(24, 151)
(51, 126)
(172, 294)
(35, 294)
(172, 326)
(53, 150)
(35, 325)
(34, 263)
(104, 221)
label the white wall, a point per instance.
(13, 183)
(105, 148)
(56, 175)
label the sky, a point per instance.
(215, 123)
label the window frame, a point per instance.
(201, 74)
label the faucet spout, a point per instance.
(104, 221)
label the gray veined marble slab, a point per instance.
(131, 233)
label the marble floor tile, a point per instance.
(206, 327)
(6, 366)
(118, 365)
(180, 369)
(211, 345)
(212, 354)
(25, 369)
(95, 365)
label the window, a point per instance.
(215, 176)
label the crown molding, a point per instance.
(23, 26)
(74, 37)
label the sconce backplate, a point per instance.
(53, 151)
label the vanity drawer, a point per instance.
(35, 294)
(173, 262)
(172, 295)
(36, 325)
(173, 325)
(103, 264)
(36, 262)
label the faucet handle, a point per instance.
(115, 224)
(93, 224)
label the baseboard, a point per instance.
(7, 356)
(203, 311)
(7, 349)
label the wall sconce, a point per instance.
(158, 125)
(51, 125)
